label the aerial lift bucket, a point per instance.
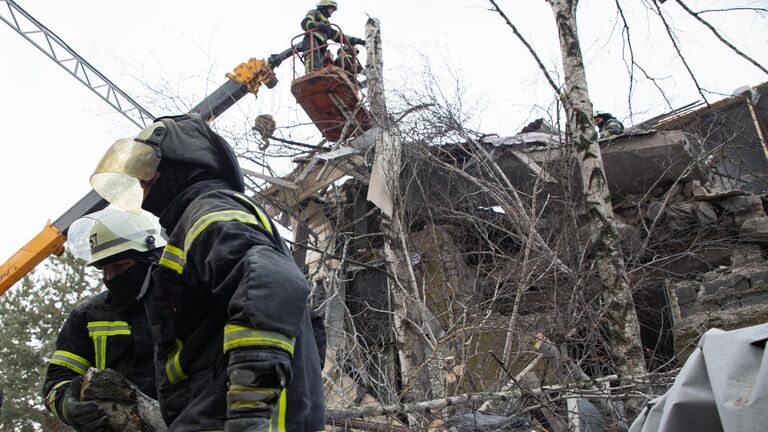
(331, 98)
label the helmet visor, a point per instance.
(116, 177)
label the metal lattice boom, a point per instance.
(58, 51)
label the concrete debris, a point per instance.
(755, 230)
(746, 254)
(128, 409)
(695, 237)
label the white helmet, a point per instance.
(110, 232)
(327, 3)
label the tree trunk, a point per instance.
(621, 318)
(409, 323)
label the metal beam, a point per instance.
(58, 51)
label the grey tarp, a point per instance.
(722, 387)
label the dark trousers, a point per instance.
(315, 59)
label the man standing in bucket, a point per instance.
(319, 32)
(228, 306)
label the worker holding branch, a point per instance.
(228, 306)
(110, 330)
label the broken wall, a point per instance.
(728, 130)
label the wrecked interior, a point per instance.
(492, 291)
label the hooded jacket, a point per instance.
(226, 283)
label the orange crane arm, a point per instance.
(246, 78)
(49, 241)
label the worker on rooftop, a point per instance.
(229, 307)
(319, 32)
(607, 124)
(110, 330)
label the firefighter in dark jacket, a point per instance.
(319, 32)
(607, 124)
(111, 329)
(229, 308)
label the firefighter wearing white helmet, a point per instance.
(607, 124)
(319, 32)
(110, 330)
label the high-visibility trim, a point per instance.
(237, 336)
(263, 217)
(173, 366)
(322, 20)
(248, 405)
(248, 397)
(221, 216)
(100, 350)
(173, 258)
(53, 396)
(241, 389)
(70, 361)
(108, 328)
(282, 409)
(322, 37)
(277, 422)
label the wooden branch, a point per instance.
(371, 426)
(575, 388)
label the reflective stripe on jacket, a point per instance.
(99, 334)
(611, 127)
(315, 17)
(227, 281)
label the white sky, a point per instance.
(54, 129)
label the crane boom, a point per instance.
(58, 51)
(246, 78)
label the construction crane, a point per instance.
(246, 78)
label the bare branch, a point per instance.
(533, 52)
(679, 52)
(719, 36)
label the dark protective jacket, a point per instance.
(315, 47)
(103, 334)
(611, 127)
(311, 21)
(226, 282)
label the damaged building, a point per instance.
(497, 254)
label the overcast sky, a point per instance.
(54, 130)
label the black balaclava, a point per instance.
(126, 286)
(174, 178)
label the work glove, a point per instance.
(257, 377)
(356, 41)
(323, 27)
(83, 416)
